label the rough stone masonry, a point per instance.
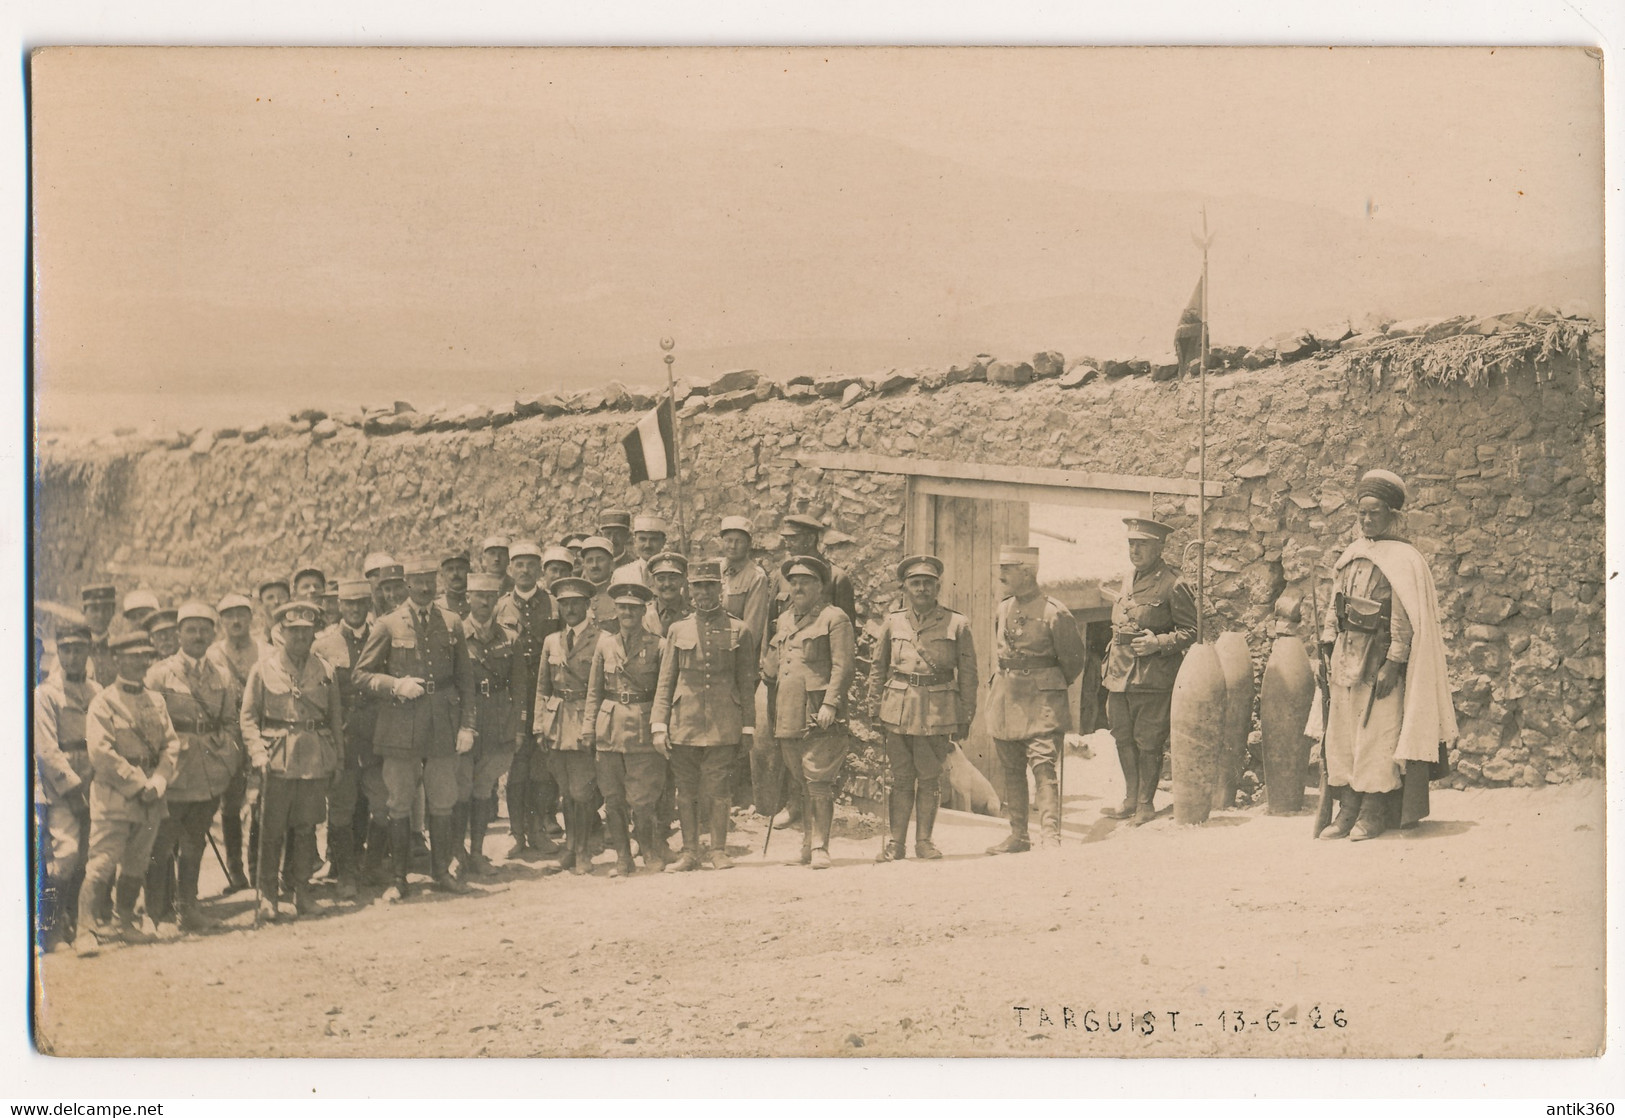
(1496, 422)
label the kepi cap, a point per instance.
(484, 584)
(140, 599)
(377, 561)
(391, 572)
(614, 518)
(572, 588)
(522, 548)
(735, 524)
(919, 565)
(421, 565)
(160, 619)
(451, 557)
(99, 592)
(801, 565)
(558, 554)
(574, 541)
(1010, 556)
(1144, 528)
(234, 601)
(650, 524)
(270, 582)
(72, 628)
(317, 571)
(705, 570)
(673, 562)
(352, 589)
(494, 541)
(196, 609)
(132, 644)
(598, 542)
(802, 520)
(630, 594)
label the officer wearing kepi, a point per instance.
(1153, 623)
(62, 780)
(100, 602)
(561, 712)
(416, 663)
(362, 772)
(923, 681)
(528, 613)
(501, 682)
(597, 569)
(1039, 654)
(630, 770)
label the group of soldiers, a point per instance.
(612, 681)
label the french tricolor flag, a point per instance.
(651, 448)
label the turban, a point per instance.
(1386, 487)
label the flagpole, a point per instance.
(1201, 497)
(677, 440)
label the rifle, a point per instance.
(1323, 814)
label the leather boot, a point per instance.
(822, 809)
(794, 804)
(518, 817)
(129, 924)
(231, 831)
(688, 818)
(720, 806)
(400, 859)
(458, 838)
(927, 798)
(578, 835)
(1348, 810)
(341, 849)
(654, 852)
(1150, 770)
(566, 852)
(899, 806)
(377, 869)
(542, 819)
(1048, 797)
(481, 812)
(1015, 785)
(619, 839)
(1131, 784)
(442, 849)
(189, 915)
(304, 865)
(805, 816)
(1373, 819)
(85, 942)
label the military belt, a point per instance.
(924, 679)
(489, 688)
(630, 697)
(1027, 663)
(570, 695)
(195, 725)
(310, 724)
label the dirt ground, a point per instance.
(1481, 933)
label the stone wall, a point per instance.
(1496, 422)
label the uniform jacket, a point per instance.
(234, 663)
(101, 666)
(529, 620)
(292, 722)
(603, 611)
(459, 607)
(748, 595)
(810, 662)
(1039, 652)
(637, 570)
(923, 676)
(561, 687)
(130, 741)
(61, 758)
(341, 646)
(659, 620)
(620, 691)
(501, 683)
(400, 646)
(706, 694)
(203, 707)
(1157, 600)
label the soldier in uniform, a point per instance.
(234, 653)
(362, 771)
(559, 562)
(133, 751)
(614, 525)
(528, 613)
(454, 572)
(705, 708)
(802, 536)
(494, 556)
(372, 568)
(1153, 623)
(416, 663)
(138, 606)
(272, 593)
(163, 632)
(747, 593)
(810, 660)
(1039, 654)
(502, 682)
(648, 540)
(293, 728)
(62, 780)
(560, 715)
(99, 602)
(668, 577)
(922, 683)
(330, 607)
(597, 568)
(572, 543)
(203, 706)
(309, 584)
(629, 770)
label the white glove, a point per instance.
(408, 688)
(465, 740)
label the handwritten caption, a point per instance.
(1147, 1022)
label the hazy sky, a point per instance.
(228, 216)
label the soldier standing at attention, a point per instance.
(810, 659)
(294, 730)
(615, 525)
(1039, 654)
(416, 663)
(560, 713)
(362, 771)
(501, 682)
(235, 652)
(668, 576)
(100, 601)
(454, 572)
(597, 568)
(528, 613)
(630, 772)
(62, 781)
(203, 706)
(923, 684)
(133, 751)
(1153, 623)
(705, 707)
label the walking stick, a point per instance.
(217, 856)
(1323, 812)
(256, 824)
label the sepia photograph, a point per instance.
(1103, 549)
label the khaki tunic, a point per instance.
(530, 620)
(203, 707)
(1157, 600)
(1039, 652)
(561, 688)
(291, 718)
(399, 647)
(501, 684)
(621, 690)
(129, 739)
(810, 662)
(748, 595)
(923, 678)
(603, 612)
(61, 754)
(341, 647)
(706, 695)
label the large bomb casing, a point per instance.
(1196, 729)
(1236, 662)
(1283, 710)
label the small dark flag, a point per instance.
(1188, 334)
(651, 448)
